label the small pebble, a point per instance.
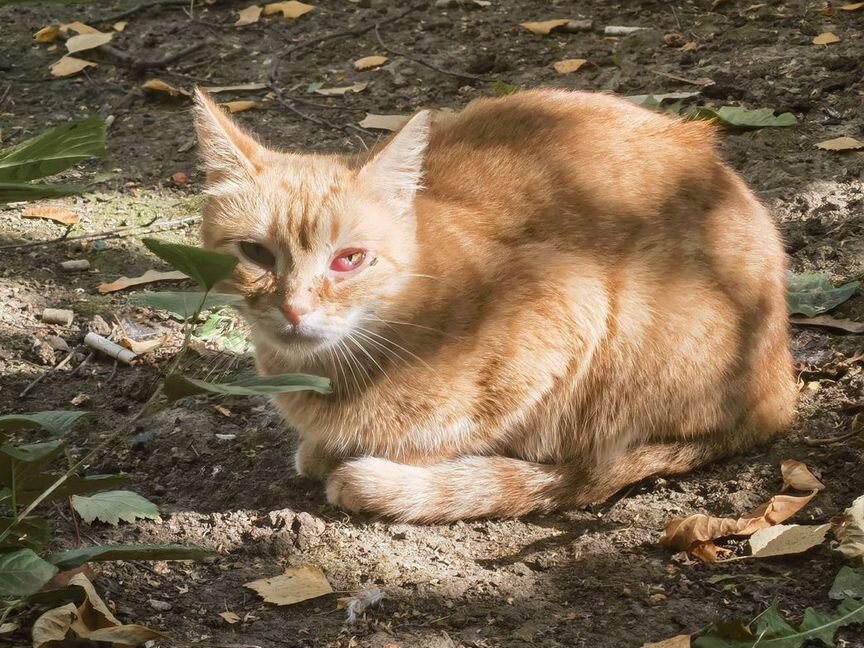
(57, 316)
(56, 342)
(75, 265)
(162, 606)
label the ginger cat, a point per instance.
(524, 306)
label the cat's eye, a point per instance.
(257, 253)
(348, 260)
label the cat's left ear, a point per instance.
(396, 172)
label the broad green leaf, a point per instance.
(22, 572)
(657, 100)
(74, 485)
(739, 117)
(177, 386)
(811, 294)
(503, 89)
(206, 267)
(113, 506)
(32, 452)
(849, 583)
(54, 151)
(31, 532)
(55, 421)
(184, 305)
(25, 192)
(71, 559)
(28, 462)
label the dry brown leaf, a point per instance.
(224, 411)
(69, 65)
(786, 539)
(249, 16)
(47, 35)
(230, 617)
(239, 106)
(690, 46)
(828, 9)
(855, 6)
(329, 92)
(684, 533)
(78, 28)
(709, 552)
(826, 321)
(841, 144)
(384, 122)
(79, 400)
(798, 476)
(119, 26)
(243, 87)
(53, 626)
(369, 62)
(568, 66)
(849, 530)
(678, 641)
(827, 38)
(158, 85)
(295, 585)
(84, 42)
(150, 276)
(57, 214)
(290, 10)
(545, 27)
(143, 346)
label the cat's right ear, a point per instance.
(228, 154)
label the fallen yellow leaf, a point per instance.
(369, 62)
(57, 214)
(150, 276)
(855, 6)
(545, 27)
(69, 65)
(798, 476)
(290, 10)
(248, 16)
(230, 617)
(841, 144)
(79, 28)
(46, 35)
(568, 65)
(239, 106)
(786, 539)
(236, 88)
(119, 26)
(828, 38)
(158, 85)
(328, 92)
(295, 585)
(384, 122)
(84, 42)
(678, 641)
(139, 347)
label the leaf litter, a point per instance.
(56, 214)
(151, 276)
(69, 66)
(248, 16)
(290, 10)
(296, 584)
(848, 528)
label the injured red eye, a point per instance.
(348, 260)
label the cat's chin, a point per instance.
(293, 343)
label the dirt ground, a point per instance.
(584, 578)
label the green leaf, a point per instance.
(503, 89)
(177, 386)
(22, 573)
(849, 583)
(31, 532)
(811, 294)
(739, 117)
(113, 506)
(655, 101)
(74, 485)
(54, 151)
(55, 421)
(184, 305)
(71, 559)
(32, 452)
(26, 192)
(205, 266)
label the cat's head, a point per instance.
(324, 242)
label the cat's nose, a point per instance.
(295, 312)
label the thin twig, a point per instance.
(120, 232)
(83, 363)
(458, 75)
(141, 7)
(43, 376)
(286, 103)
(140, 65)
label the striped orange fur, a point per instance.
(552, 295)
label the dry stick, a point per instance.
(120, 232)
(140, 65)
(458, 75)
(141, 7)
(43, 376)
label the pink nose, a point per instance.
(294, 313)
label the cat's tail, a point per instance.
(479, 486)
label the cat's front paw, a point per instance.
(311, 461)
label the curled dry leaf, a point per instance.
(230, 617)
(828, 38)
(56, 214)
(79, 28)
(69, 65)
(826, 321)
(545, 27)
(248, 16)
(855, 6)
(239, 106)
(295, 585)
(369, 62)
(849, 530)
(329, 92)
(568, 66)
(88, 41)
(47, 35)
(139, 347)
(290, 10)
(119, 26)
(709, 552)
(150, 276)
(798, 476)
(841, 144)
(158, 85)
(384, 122)
(678, 641)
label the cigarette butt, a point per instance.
(106, 346)
(618, 30)
(57, 316)
(75, 265)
